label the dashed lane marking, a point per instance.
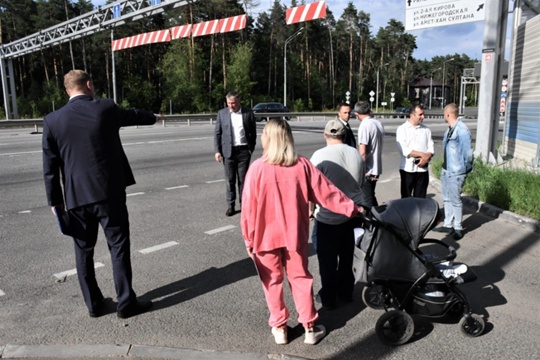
(25, 212)
(215, 181)
(158, 247)
(64, 274)
(2, 293)
(135, 194)
(218, 230)
(177, 187)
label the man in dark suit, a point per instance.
(344, 111)
(234, 142)
(86, 173)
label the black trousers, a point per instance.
(414, 184)
(368, 198)
(335, 250)
(236, 168)
(84, 222)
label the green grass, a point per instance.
(510, 189)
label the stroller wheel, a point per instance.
(374, 296)
(395, 327)
(472, 326)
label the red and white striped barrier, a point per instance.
(141, 39)
(306, 12)
(233, 23)
(179, 32)
(205, 28)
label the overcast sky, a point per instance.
(436, 41)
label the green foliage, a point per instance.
(238, 76)
(510, 189)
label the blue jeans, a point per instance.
(451, 193)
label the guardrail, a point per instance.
(189, 119)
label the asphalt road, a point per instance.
(189, 258)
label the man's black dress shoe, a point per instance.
(136, 308)
(99, 310)
(230, 212)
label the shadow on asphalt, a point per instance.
(207, 281)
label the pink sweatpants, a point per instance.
(272, 266)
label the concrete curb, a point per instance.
(493, 211)
(127, 351)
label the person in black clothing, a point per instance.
(344, 111)
(86, 173)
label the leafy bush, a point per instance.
(510, 189)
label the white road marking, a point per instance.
(21, 153)
(214, 181)
(25, 212)
(2, 293)
(218, 230)
(135, 194)
(63, 274)
(158, 247)
(165, 141)
(177, 187)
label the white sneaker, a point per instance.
(454, 271)
(314, 334)
(280, 335)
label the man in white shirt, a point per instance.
(415, 146)
(370, 146)
(235, 137)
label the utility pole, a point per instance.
(496, 18)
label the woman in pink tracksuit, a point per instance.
(275, 225)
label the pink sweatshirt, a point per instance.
(275, 204)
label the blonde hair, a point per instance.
(76, 80)
(280, 143)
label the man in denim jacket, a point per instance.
(457, 163)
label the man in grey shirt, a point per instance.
(370, 146)
(343, 165)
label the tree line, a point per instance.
(329, 58)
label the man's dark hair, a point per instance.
(413, 108)
(233, 94)
(342, 105)
(362, 108)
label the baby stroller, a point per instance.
(402, 279)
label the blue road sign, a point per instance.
(117, 11)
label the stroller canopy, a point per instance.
(410, 218)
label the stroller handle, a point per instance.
(451, 250)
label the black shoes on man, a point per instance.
(230, 212)
(136, 308)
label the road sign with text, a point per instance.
(421, 14)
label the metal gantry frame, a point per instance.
(102, 18)
(467, 78)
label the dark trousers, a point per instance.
(113, 217)
(368, 192)
(414, 184)
(335, 250)
(236, 167)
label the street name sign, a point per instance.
(421, 14)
